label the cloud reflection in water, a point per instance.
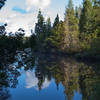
(32, 81)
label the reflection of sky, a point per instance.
(32, 81)
(27, 89)
(77, 96)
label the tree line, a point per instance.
(78, 33)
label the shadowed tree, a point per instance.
(56, 22)
(2, 3)
(86, 17)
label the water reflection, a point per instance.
(74, 80)
(32, 81)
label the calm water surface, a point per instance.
(47, 77)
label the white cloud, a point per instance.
(45, 84)
(32, 81)
(42, 4)
(16, 20)
(25, 21)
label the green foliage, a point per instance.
(70, 4)
(86, 18)
(71, 30)
(48, 27)
(55, 40)
(40, 27)
(96, 20)
(56, 22)
(78, 33)
(78, 12)
(33, 41)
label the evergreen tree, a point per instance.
(19, 37)
(3, 30)
(78, 12)
(32, 40)
(96, 19)
(70, 4)
(48, 27)
(40, 28)
(56, 21)
(86, 17)
(2, 3)
(71, 28)
(57, 38)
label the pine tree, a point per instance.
(32, 40)
(70, 5)
(96, 19)
(48, 27)
(56, 21)
(71, 28)
(78, 12)
(86, 17)
(40, 28)
(56, 39)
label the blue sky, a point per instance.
(23, 13)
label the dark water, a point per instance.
(25, 76)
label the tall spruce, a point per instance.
(71, 28)
(96, 20)
(78, 12)
(56, 21)
(48, 27)
(86, 17)
(40, 28)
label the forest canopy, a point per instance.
(78, 33)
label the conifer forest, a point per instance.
(64, 52)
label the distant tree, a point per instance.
(70, 4)
(2, 3)
(78, 12)
(33, 39)
(19, 37)
(20, 33)
(56, 21)
(56, 40)
(86, 17)
(3, 29)
(48, 27)
(40, 28)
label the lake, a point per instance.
(28, 76)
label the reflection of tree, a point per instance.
(42, 72)
(4, 93)
(71, 76)
(74, 75)
(25, 59)
(89, 82)
(8, 75)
